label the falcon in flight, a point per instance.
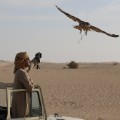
(85, 26)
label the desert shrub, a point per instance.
(115, 63)
(73, 65)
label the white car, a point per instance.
(37, 108)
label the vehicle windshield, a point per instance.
(36, 107)
(3, 93)
(3, 98)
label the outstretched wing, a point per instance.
(70, 16)
(101, 31)
(91, 27)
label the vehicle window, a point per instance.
(36, 107)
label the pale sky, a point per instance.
(37, 26)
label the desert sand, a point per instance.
(91, 92)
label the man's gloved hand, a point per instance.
(36, 86)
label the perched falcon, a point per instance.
(85, 26)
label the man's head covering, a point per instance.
(21, 56)
(19, 60)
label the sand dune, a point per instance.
(91, 92)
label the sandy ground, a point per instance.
(91, 92)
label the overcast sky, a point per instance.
(37, 26)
